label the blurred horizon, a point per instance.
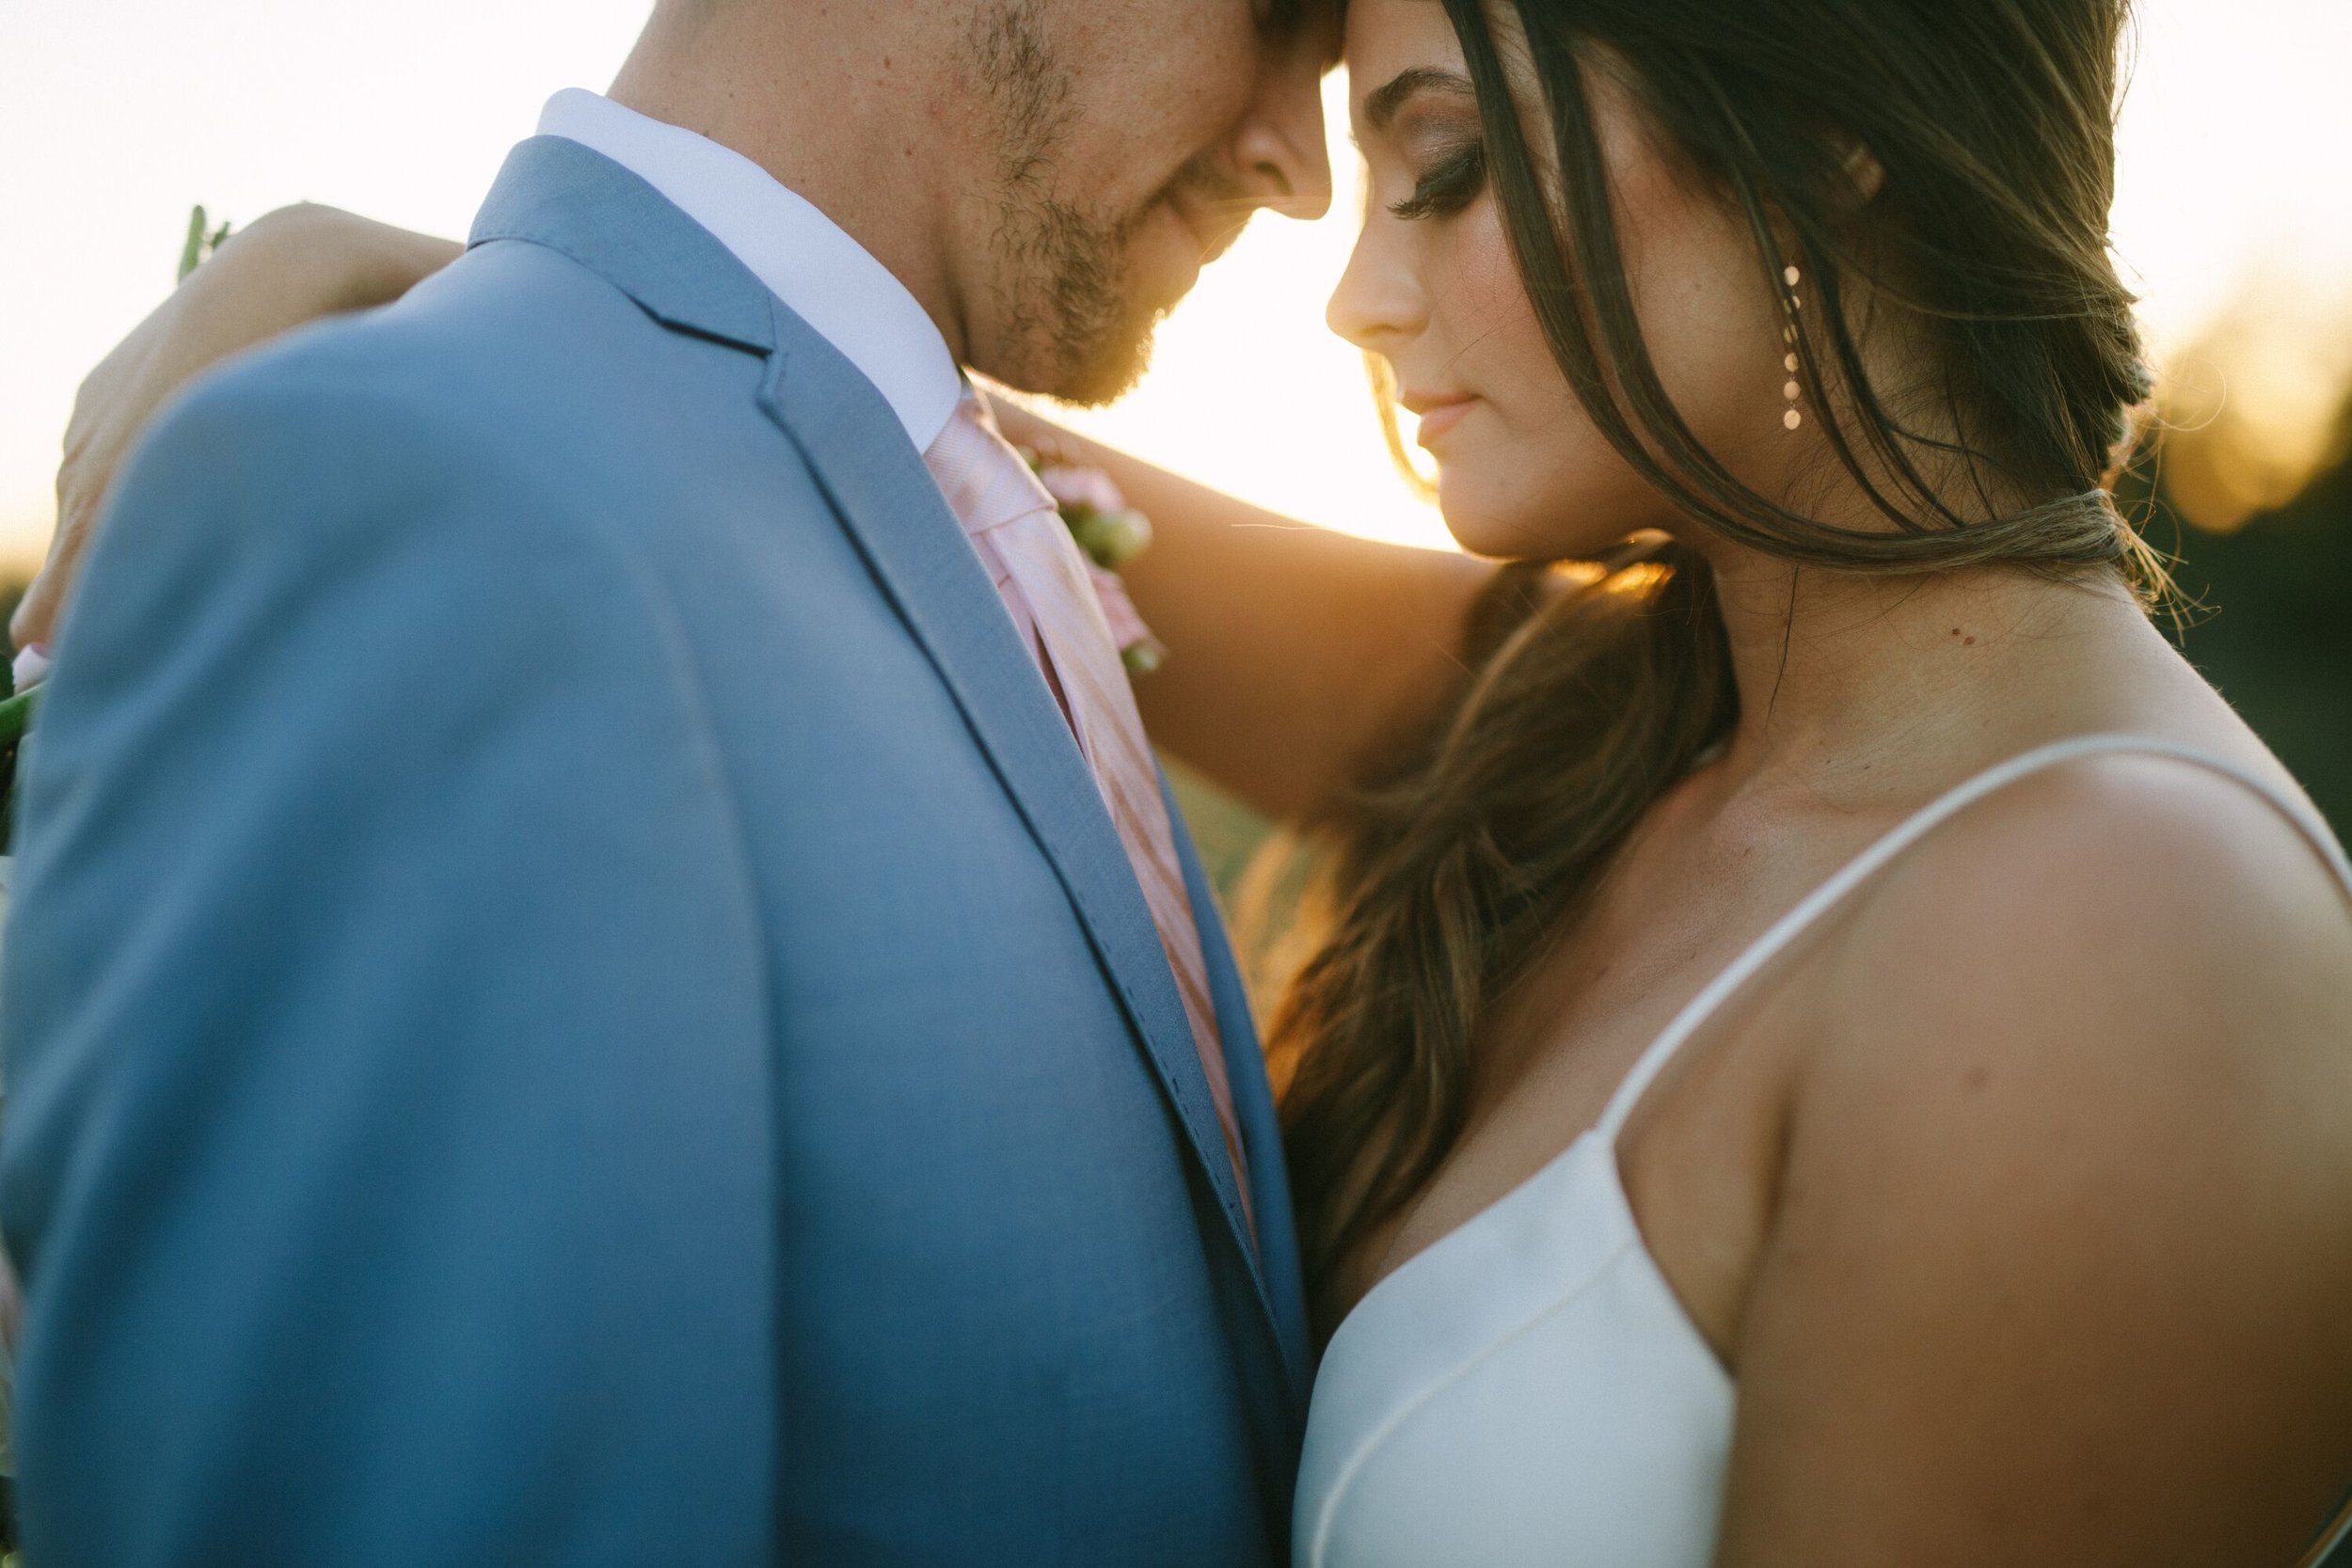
(121, 116)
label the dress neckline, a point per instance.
(1777, 936)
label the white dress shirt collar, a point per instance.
(830, 281)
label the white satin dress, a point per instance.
(1528, 1390)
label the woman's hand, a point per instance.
(290, 267)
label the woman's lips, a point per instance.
(1438, 414)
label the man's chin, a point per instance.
(1083, 297)
(1110, 370)
(1089, 373)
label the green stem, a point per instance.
(193, 251)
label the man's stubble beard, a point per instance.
(1070, 325)
(1067, 302)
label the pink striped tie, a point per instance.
(1017, 529)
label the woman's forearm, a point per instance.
(337, 260)
(286, 268)
(1293, 648)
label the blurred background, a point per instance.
(2231, 219)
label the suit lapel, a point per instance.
(1253, 1106)
(559, 194)
(917, 551)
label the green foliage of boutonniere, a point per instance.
(1111, 534)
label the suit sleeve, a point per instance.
(387, 1153)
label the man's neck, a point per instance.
(839, 114)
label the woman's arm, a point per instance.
(289, 267)
(2060, 1272)
(1293, 648)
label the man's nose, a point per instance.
(1282, 154)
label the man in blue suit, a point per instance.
(572, 997)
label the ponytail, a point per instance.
(1481, 838)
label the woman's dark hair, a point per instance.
(1990, 127)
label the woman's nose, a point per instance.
(1377, 304)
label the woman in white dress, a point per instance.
(1832, 1045)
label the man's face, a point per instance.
(1132, 140)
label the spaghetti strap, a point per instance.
(1875, 858)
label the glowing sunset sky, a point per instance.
(116, 114)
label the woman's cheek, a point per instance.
(1532, 468)
(1503, 353)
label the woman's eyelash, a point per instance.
(1449, 188)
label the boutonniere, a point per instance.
(1110, 533)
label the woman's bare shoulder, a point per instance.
(2064, 1210)
(2134, 912)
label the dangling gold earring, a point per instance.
(1791, 305)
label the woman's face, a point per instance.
(1433, 289)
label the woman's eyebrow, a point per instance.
(1381, 105)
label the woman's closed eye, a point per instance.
(1447, 186)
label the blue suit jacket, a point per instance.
(572, 1000)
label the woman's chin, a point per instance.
(1506, 522)
(1486, 525)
